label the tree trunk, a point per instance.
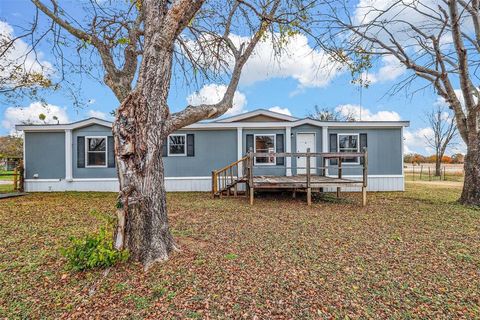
(471, 185)
(438, 163)
(143, 223)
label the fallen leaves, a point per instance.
(412, 254)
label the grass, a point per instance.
(6, 175)
(406, 255)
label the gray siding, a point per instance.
(213, 150)
(306, 128)
(45, 155)
(384, 152)
(264, 169)
(82, 173)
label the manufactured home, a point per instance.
(79, 156)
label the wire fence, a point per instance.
(427, 172)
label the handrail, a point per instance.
(227, 177)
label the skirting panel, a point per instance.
(111, 185)
(180, 184)
(377, 183)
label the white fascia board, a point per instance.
(63, 127)
(283, 125)
(258, 112)
(351, 124)
(228, 125)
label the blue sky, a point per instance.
(295, 86)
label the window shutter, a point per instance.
(363, 145)
(165, 148)
(333, 147)
(80, 152)
(111, 152)
(190, 145)
(249, 143)
(279, 149)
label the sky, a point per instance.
(302, 78)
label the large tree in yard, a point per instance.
(438, 41)
(141, 45)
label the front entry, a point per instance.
(305, 141)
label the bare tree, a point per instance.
(140, 45)
(444, 131)
(438, 41)
(331, 114)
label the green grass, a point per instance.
(6, 188)
(6, 175)
(414, 254)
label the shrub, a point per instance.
(93, 251)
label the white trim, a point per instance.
(325, 144)
(62, 127)
(358, 146)
(184, 154)
(222, 124)
(68, 155)
(259, 112)
(24, 159)
(288, 149)
(403, 151)
(239, 149)
(87, 151)
(274, 163)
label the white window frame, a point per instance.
(87, 151)
(184, 154)
(358, 146)
(274, 163)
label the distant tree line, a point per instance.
(416, 158)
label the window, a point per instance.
(349, 143)
(177, 145)
(96, 153)
(265, 144)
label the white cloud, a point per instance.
(309, 66)
(19, 56)
(99, 114)
(364, 114)
(23, 115)
(390, 70)
(296, 59)
(213, 93)
(416, 141)
(280, 110)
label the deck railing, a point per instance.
(228, 177)
(338, 156)
(242, 171)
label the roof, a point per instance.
(62, 127)
(258, 112)
(239, 121)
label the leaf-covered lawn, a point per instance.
(413, 254)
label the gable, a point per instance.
(261, 118)
(259, 115)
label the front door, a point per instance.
(305, 141)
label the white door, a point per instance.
(305, 141)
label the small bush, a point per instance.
(93, 251)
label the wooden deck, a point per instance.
(225, 181)
(299, 182)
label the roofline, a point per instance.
(257, 112)
(292, 124)
(228, 125)
(63, 127)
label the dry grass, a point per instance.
(406, 255)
